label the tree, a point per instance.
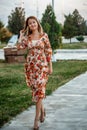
(16, 20)
(69, 29)
(74, 25)
(79, 23)
(4, 33)
(86, 28)
(51, 26)
(1, 24)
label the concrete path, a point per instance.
(66, 109)
(71, 54)
(2, 54)
(63, 54)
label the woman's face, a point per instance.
(33, 25)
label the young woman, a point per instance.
(38, 63)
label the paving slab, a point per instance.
(66, 109)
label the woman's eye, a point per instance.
(29, 23)
(33, 22)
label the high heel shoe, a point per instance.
(36, 128)
(42, 116)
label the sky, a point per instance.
(37, 8)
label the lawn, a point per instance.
(2, 45)
(15, 96)
(78, 45)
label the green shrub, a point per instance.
(80, 38)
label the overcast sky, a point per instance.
(61, 7)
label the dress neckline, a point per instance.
(37, 39)
(34, 41)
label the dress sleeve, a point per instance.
(47, 48)
(22, 42)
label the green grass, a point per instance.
(2, 45)
(15, 96)
(78, 45)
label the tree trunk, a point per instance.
(70, 40)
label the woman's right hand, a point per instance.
(21, 32)
(21, 36)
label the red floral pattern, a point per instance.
(36, 66)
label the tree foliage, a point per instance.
(68, 30)
(74, 25)
(79, 23)
(16, 20)
(1, 24)
(51, 26)
(86, 28)
(4, 33)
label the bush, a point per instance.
(80, 38)
(5, 35)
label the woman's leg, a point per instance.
(42, 108)
(38, 110)
(42, 114)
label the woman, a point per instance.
(38, 63)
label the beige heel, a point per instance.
(36, 128)
(42, 118)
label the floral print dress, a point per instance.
(36, 66)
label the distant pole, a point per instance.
(37, 11)
(85, 4)
(53, 4)
(53, 57)
(22, 4)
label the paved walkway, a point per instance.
(2, 54)
(63, 54)
(71, 54)
(66, 109)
